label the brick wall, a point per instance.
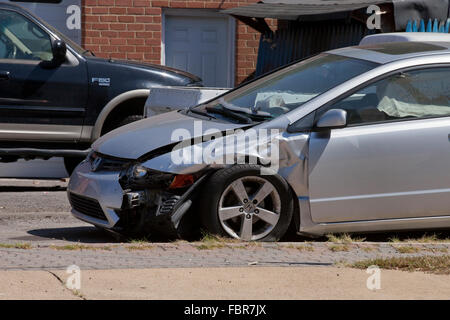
(131, 29)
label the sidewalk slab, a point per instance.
(259, 283)
(32, 285)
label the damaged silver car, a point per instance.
(351, 140)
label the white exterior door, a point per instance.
(200, 45)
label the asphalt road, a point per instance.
(37, 211)
(37, 232)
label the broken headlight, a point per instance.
(138, 177)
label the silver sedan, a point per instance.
(352, 140)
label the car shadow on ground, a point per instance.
(94, 235)
(73, 234)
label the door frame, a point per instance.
(207, 13)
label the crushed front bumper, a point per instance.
(95, 197)
(98, 198)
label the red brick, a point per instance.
(160, 3)
(118, 26)
(126, 34)
(135, 55)
(118, 55)
(92, 18)
(138, 42)
(144, 34)
(153, 27)
(108, 18)
(135, 26)
(152, 56)
(152, 42)
(144, 49)
(124, 3)
(108, 48)
(153, 11)
(100, 26)
(195, 4)
(141, 3)
(118, 42)
(90, 33)
(101, 54)
(126, 19)
(144, 19)
(177, 4)
(105, 2)
(118, 10)
(99, 10)
(109, 34)
(127, 49)
(99, 40)
(136, 11)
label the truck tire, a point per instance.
(129, 119)
(70, 163)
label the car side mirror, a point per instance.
(332, 119)
(59, 50)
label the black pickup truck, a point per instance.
(56, 98)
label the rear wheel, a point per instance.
(246, 205)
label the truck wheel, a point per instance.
(70, 163)
(130, 119)
(246, 205)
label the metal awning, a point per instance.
(303, 10)
(294, 9)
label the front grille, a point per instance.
(101, 163)
(87, 206)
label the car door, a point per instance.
(393, 158)
(38, 101)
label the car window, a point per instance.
(408, 95)
(22, 39)
(290, 87)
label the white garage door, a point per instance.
(200, 45)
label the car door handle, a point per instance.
(4, 75)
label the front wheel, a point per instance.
(246, 205)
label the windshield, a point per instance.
(286, 89)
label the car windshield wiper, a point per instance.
(253, 114)
(220, 109)
(202, 113)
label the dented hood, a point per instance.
(139, 138)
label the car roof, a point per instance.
(385, 48)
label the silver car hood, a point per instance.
(139, 138)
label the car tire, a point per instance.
(265, 207)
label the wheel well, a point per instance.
(296, 214)
(133, 106)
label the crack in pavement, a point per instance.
(75, 292)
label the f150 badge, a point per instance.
(102, 82)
